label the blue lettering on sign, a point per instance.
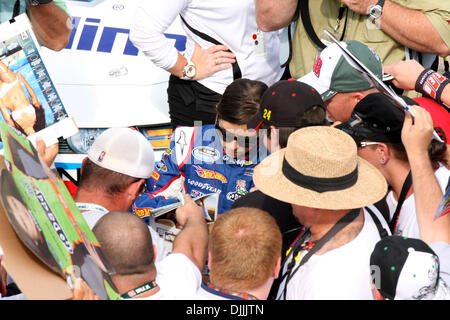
(89, 31)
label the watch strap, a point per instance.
(37, 2)
(380, 4)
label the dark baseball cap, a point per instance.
(403, 267)
(376, 118)
(283, 104)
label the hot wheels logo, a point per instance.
(143, 212)
(209, 174)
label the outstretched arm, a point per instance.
(51, 24)
(407, 26)
(427, 191)
(192, 241)
(406, 74)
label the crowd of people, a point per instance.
(327, 188)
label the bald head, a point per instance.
(126, 242)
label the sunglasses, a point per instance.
(363, 144)
(229, 137)
(143, 189)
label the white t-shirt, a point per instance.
(92, 217)
(407, 221)
(340, 274)
(178, 279)
(442, 249)
(232, 23)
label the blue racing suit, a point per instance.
(196, 164)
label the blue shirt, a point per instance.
(197, 163)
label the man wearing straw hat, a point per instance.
(320, 174)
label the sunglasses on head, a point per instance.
(229, 137)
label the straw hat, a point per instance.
(320, 168)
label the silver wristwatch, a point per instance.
(375, 11)
(189, 71)
(34, 3)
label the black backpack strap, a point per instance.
(237, 74)
(382, 231)
(406, 186)
(306, 20)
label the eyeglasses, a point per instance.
(143, 188)
(363, 144)
(242, 141)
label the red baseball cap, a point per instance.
(440, 116)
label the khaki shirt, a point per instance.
(324, 14)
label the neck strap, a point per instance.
(233, 295)
(91, 207)
(406, 186)
(296, 248)
(139, 290)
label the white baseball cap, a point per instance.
(409, 270)
(123, 150)
(332, 73)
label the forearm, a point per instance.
(192, 241)
(445, 96)
(412, 29)
(51, 25)
(428, 195)
(273, 15)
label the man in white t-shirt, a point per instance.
(114, 174)
(127, 245)
(328, 185)
(244, 256)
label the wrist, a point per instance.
(431, 84)
(189, 71)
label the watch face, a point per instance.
(190, 71)
(375, 12)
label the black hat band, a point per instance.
(319, 184)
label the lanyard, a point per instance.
(405, 189)
(139, 290)
(313, 247)
(91, 207)
(343, 8)
(233, 295)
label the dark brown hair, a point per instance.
(39, 123)
(240, 101)
(436, 151)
